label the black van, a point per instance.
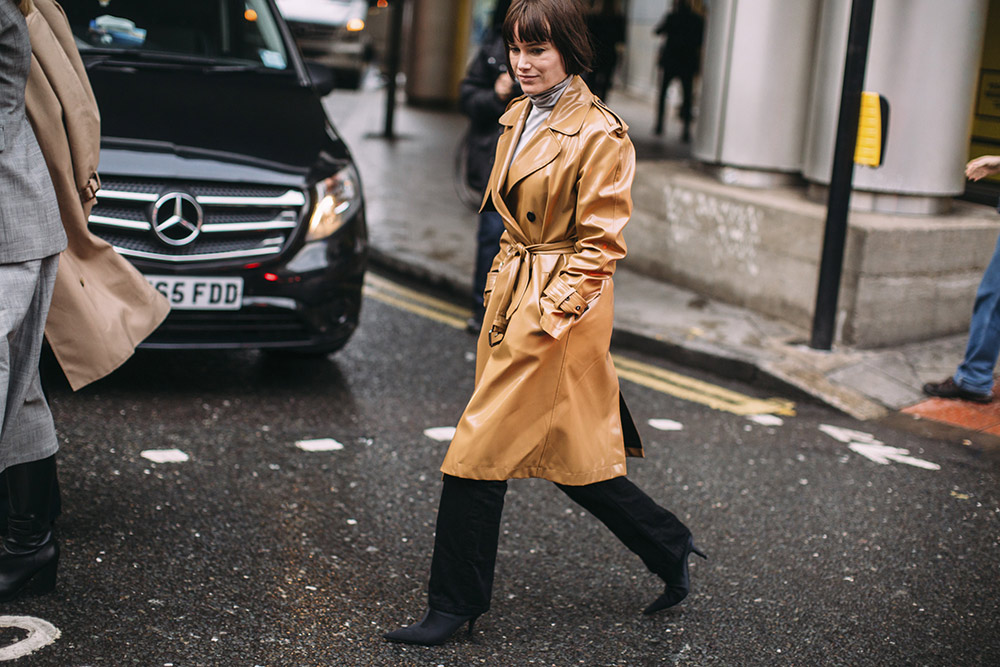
(223, 179)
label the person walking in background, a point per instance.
(547, 402)
(607, 30)
(680, 58)
(31, 238)
(485, 92)
(973, 380)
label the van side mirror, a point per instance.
(322, 78)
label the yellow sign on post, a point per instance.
(872, 126)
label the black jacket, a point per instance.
(684, 30)
(481, 104)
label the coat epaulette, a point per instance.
(618, 126)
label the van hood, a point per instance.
(255, 117)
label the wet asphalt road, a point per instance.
(255, 552)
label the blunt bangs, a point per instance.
(528, 21)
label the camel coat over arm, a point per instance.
(546, 401)
(102, 307)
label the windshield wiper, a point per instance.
(132, 57)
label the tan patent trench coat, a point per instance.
(546, 401)
(102, 307)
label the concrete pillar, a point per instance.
(923, 58)
(435, 61)
(755, 89)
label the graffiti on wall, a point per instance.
(728, 231)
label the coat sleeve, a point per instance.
(603, 207)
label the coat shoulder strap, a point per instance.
(617, 126)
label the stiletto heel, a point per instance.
(678, 583)
(436, 627)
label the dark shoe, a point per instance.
(948, 389)
(677, 584)
(29, 554)
(433, 629)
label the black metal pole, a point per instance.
(395, 49)
(839, 201)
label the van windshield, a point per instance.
(241, 31)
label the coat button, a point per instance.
(531, 216)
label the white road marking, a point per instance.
(847, 435)
(441, 433)
(165, 455)
(40, 634)
(766, 420)
(884, 454)
(873, 449)
(666, 425)
(319, 445)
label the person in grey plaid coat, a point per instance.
(31, 238)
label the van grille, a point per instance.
(196, 221)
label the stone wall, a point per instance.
(905, 279)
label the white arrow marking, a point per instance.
(319, 445)
(440, 433)
(40, 634)
(884, 454)
(873, 449)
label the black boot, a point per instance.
(433, 629)
(29, 553)
(678, 582)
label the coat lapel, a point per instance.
(540, 151)
(513, 120)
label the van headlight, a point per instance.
(336, 199)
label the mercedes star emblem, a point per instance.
(176, 218)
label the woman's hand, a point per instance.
(504, 86)
(983, 166)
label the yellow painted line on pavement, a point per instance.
(699, 391)
(652, 377)
(414, 302)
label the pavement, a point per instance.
(420, 228)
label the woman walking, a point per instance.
(546, 401)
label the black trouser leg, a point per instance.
(654, 534)
(465, 545)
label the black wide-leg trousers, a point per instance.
(468, 532)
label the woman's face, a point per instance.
(537, 65)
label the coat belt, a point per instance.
(514, 277)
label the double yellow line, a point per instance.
(664, 381)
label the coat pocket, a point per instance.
(562, 306)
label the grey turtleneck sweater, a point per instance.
(541, 107)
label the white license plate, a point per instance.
(194, 293)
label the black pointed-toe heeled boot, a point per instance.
(29, 554)
(433, 629)
(678, 582)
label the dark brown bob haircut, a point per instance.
(558, 21)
